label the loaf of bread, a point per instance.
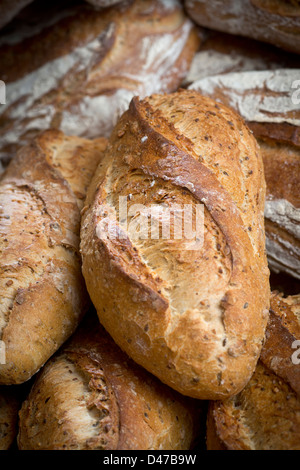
(191, 309)
(266, 414)
(43, 294)
(91, 396)
(281, 349)
(269, 102)
(82, 69)
(10, 8)
(10, 403)
(273, 21)
(225, 53)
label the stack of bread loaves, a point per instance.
(269, 102)
(78, 70)
(149, 225)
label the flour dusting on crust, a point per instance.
(243, 92)
(154, 59)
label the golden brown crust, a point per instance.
(282, 331)
(92, 396)
(282, 211)
(213, 441)
(264, 416)
(43, 295)
(280, 151)
(281, 159)
(223, 307)
(271, 112)
(282, 132)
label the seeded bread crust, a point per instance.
(267, 100)
(282, 334)
(91, 396)
(196, 319)
(265, 415)
(43, 294)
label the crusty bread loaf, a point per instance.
(43, 295)
(10, 403)
(282, 333)
(193, 317)
(269, 102)
(10, 8)
(91, 396)
(226, 53)
(273, 21)
(263, 416)
(78, 73)
(266, 414)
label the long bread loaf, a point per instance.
(273, 21)
(43, 295)
(193, 317)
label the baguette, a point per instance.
(43, 294)
(91, 396)
(268, 101)
(266, 414)
(273, 21)
(81, 71)
(195, 317)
